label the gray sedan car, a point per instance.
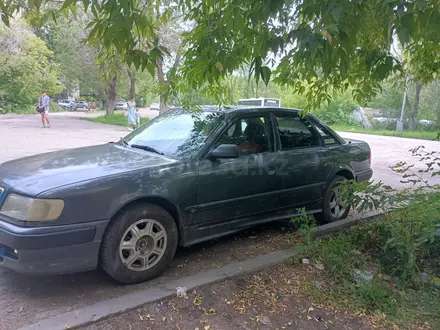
(183, 178)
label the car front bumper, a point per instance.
(51, 250)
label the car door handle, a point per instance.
(271, 172)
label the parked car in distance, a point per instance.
(121, 105)
(181, 179)
(80, 105)
(65, 104)
(92, 105)
(154, 106)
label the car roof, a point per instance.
(237, 109)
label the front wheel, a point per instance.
(139, 244)
(333, 209)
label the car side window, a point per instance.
(295, 132)
(250, 134)
(326, 135)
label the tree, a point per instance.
(170, 38)
(413, 113)
(111, 100)
(25, 68)
(132, 77)
(313, 46)
(77, 60)
(316, 46)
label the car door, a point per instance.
(237, 189)
(306, 163)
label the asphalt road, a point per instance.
(24, 299)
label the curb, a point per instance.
(334, 227)
(107, 308)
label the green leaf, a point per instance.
(5, 19)
(403, 35)
(336, 13)
(54, 16)
(73, 10)
(86, 4)
(265, 74)
(151, 67)
(67, 3)
(257, 68)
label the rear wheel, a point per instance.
(139, 244)
(333, 209)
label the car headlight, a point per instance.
(32, 209)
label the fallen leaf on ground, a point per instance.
(198, 300)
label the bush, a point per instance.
(25, 69)
(339, 111)
(340, 255)
(375, 296)
(412, 226)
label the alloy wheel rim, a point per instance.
(337, 209)
(143, 245)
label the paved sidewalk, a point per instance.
(22, 135)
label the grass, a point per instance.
(115, 119)
(410, 305)
(424, 135)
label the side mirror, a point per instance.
(225, 151)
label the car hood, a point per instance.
(36, 174)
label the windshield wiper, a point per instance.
(147, 148)
(125, 143)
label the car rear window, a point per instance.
(326, 135)
(295, 132)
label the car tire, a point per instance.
(331, 210)
(122, 243)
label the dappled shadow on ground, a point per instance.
(275, 298)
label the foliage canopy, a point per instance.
(25, 68)
(315, 46)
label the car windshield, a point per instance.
(176, 133)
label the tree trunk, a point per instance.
(162, 82)
(111, 97)
(132, 77)
(414, 116)
(162, 104)
(232, 89)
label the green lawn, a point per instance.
(425, 135)
(115, 119)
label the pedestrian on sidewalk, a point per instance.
(131, 115)
(138, 118)
(44, 109)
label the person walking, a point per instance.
(44, 105)
(138, 118)
(131, 115)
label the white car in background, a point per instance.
(155, 106)
(65, 104)
(121, 105)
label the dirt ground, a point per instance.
(272, 299)
(28, 299)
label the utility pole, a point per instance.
(399, 125)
